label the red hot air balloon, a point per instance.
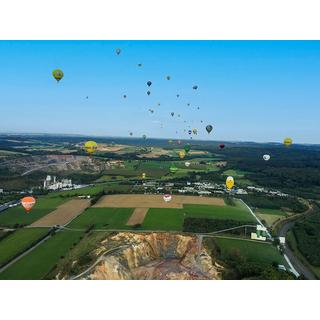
(221, 146)
(28, 203)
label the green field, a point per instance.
(234, 173)
(218, 212)
(18, 242)
(17, 215)
(103, 218)
(272, 212)
(163, 219)
(251, 250)
(38, 263)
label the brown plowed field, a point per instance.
(63, 214)
(137, 216)
(153, 201)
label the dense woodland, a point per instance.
(307, 234)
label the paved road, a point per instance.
(298, 265)
(24, 254)
(6, 206)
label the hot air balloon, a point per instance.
(168, 77)
(195, 87)
(159, 104)
(230, 182)
(28, 203)
(172, 114)
(209, 128)
(287, 142)
(87, 97)
(179, 141)
(178, 95)
(173, 169)
(148, 93)
(182, 154)
(170, 141)
(90, 147)
(266, 157)
(151, 110)
(131, 133)
(201, 121)
(139, 64)
(190, 131)
(221, 146)
(118, 51)
(143, 176)
(187, 148)
(57, 74)
(187, 164)
(195, 131)
(149, 83)
(167, 197)
(188, 104)
(124, 96)
(144, 137)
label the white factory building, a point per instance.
(51, 183)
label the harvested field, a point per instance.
(154, 201)
(137, 216)
(63, 214)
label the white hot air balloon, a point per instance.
(167, 197)
(187, 163)
(266, 157)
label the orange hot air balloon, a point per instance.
(28, 203)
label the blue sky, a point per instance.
(248, 90)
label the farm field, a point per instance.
(251, 250)
(272, 212)
(154, 201)
(163, 219)
(38, 263)
(17, 215)
(102, 218)
(218, 212)
(63, 214)
(18, 242)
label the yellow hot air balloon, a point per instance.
(230, 182)
(182, 154)
(143, 175)
(287, 142)
(91, 147)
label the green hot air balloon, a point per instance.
(173, 169)
(187, 148)
(57, 74)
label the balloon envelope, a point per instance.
(187, 163)
(173, 169)
(187, 148)
(266, 157)
(209, 128)
(221, 146)
(91, 147)
(57, 74)
(287, 141)
(230, 182)
(167, 197)
(118, 51)
(182, 154)
(28, 203)
(195, 87)
(149, 83)
(148, 93)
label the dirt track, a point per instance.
(63, 214)
(153, 201)
(137, 216)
